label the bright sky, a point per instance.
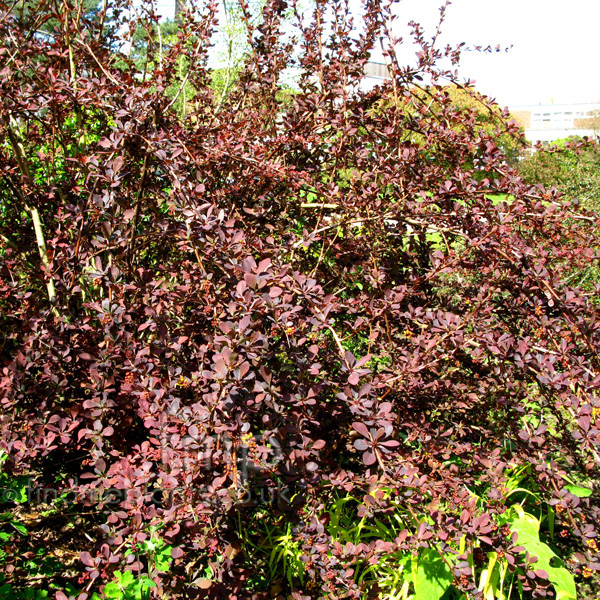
(555, 53)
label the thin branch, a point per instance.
(138, 203)
(18, 149)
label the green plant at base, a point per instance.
(432, 576)
(428, 574)
(126, 586)
(12, 490)
(287, 552)
(156, 551)
(399, 576)
(527, 527)
(8, 591)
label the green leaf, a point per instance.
(20, 528)
(433, 577)
(489, 578)
(551, 520)
(20, 486)
(578, 491)
(126, 587)
(527, 528)
(162, 560)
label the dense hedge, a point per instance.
(322, 343)
(571, 165)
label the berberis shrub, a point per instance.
(311, 342)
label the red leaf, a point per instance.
(361, 428)
(363, 361)
(390, 444)
(117, 164)
(369, 458)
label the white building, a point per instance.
(550, 122)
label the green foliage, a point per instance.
(29, 11)
(573, 168)
(13, 490)
(126, 586)
(432, 575)
(157, 553)
(527, 527)
(285, 556)
(428, 574)
(574, 171)
(9, 591)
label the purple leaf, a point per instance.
(361, 428)
(86, 559)
(361, 445)
(369, 458)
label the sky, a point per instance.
(554, 54)
(555, 46)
